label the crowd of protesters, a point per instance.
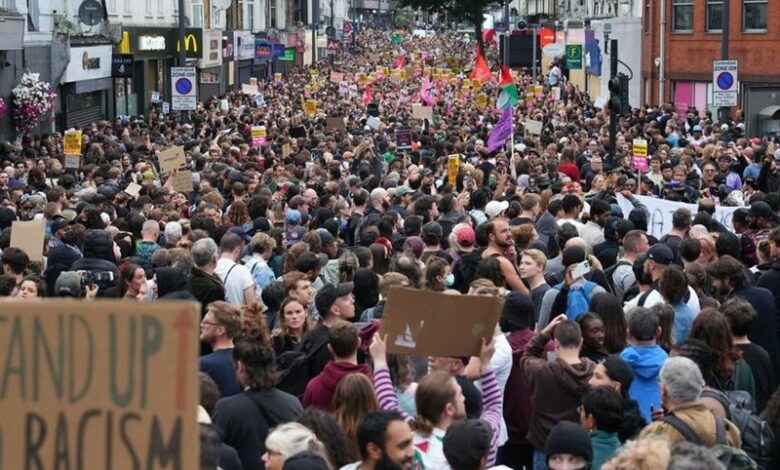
(615, 349)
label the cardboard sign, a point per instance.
(423, 323)
(453, 167)
(422, 112)
(166, 107)
(133, 189)
(533, 127)
(71, 143)
(107, 384)
(258, 136)
(403, 140)
(172, 159)
(72, 161)
(182, 182)
(335, 123)
(249, 89)
(310, 107)
(286, 150)
(28, 237)
(482, 100)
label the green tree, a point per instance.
(457, 10)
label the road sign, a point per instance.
(725, 83)
(347, 27)
(574, 56)
(546, 36)
(184, 95)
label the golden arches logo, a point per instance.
(189, 40)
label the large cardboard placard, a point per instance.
(421, 112)
(335, 123)
(28, 237)
(429, 323)
(100, 384)
(182, 181)
(172, 159)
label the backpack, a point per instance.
(293, 369)
(611, 270)
(731, 457)
(578, 301)
(758, 440)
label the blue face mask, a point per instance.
(449, 280)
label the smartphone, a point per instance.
(580, 269)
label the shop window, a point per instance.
(197, 13)
(682, 15)
(714, 15)
(754, 15)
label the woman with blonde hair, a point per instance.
(287, 440)
(294, 322)
(353, 400)
(238, 214)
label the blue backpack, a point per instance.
(578, 301)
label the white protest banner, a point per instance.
(533, 127)
(660, 212)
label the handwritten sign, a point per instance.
(249, 89)
(172, 159)
(182, 181)
(286, 150)
(335, 123)
(101, 384)
(133, 189)
(533, 127)
(421, 112)
(28, 237)
(72, 161)
(482, 100)
(71, 143)
(277, 77)
(336, 77)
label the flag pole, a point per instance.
(512, 169)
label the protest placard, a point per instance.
(639, 154)
(661, 210)
(29, 236)
(286, 150)
(258, 136)
(453, 167)
(72, 161)
(133, 189)
(421, 112)
(310, 107)
(71, 142)
(374, 123)
(249, 89)
(403, 140)
(171, 159)
(336, 77)
(533, 127)
(335, 123)
(100, 384)
(182, 181)
(424, 323)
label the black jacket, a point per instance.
(206, 288)
(764, 330)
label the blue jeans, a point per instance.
(540, 461)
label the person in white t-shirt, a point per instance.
(238, 281)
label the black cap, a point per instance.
(261, 224)
(306, 461)
(7, 216)
(467, 442)
(325, 236)
(761, 209)
(309, 261)
(518, 308)
(569, 438)
(661, 254)
(328, 294)
(619, 371)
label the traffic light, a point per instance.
(618, 94)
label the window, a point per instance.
(148, 7)
(197, 14)
(271, 13)
(754, 15)
(682, 15)
(249, 15)
(160, 8)
(216, 17)
(714, 15)
(111, 7)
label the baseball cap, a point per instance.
(310, 261)
(426, 172)
(493, 208)
(697, 128)
(68, 284)
(619, 371)
(661, 254)
(293, 216)
(59, 224)
(241, 233)
(465, 236)
(328, 294)
(261, 224)
(325, 236)
(761, 209)
(305, 461)
(294, 234)
(401, 190)
(432, 229)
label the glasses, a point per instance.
(204, 322)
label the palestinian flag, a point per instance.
(508, 95)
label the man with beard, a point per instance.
(385, 442)
(728, 281)
(501, 246)
(219, 326)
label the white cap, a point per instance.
(494, 208)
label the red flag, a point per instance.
(489, 36)
(481, 70)
(506, 77)
(367, 94)
(400, 62)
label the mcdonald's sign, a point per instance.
(193, 43)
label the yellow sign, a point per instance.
(277, 77)
(190, 43)
(453, 166)
(100, 384)
(482, 100)
(476, 84)
(72, 142)
(310, 107)
(639, 147)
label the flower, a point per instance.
(31, 98)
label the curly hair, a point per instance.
(713, 328)
(257, 356)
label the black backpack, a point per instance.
(732, 458)
(758, 440)
(293, 371)
(611, 270)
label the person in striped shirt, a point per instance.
(440, 403)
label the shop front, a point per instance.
(264, 55)
(86, 86)
(244, 48)
(210, 65)
(147, 80)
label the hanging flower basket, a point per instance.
(3, 108)
(32, 98)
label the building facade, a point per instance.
(693, 33)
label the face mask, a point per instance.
(449, 280)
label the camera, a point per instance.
(91, 277)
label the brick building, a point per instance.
(693, 41)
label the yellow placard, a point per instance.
(453, 166)
(277, 77)
(482, 100)
(71, 142)
(310, 107)
(476, 84)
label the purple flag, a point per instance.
(501, 131)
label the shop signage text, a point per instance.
(151, 43)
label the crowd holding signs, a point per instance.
(403, 257)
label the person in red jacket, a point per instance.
(343, 343)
